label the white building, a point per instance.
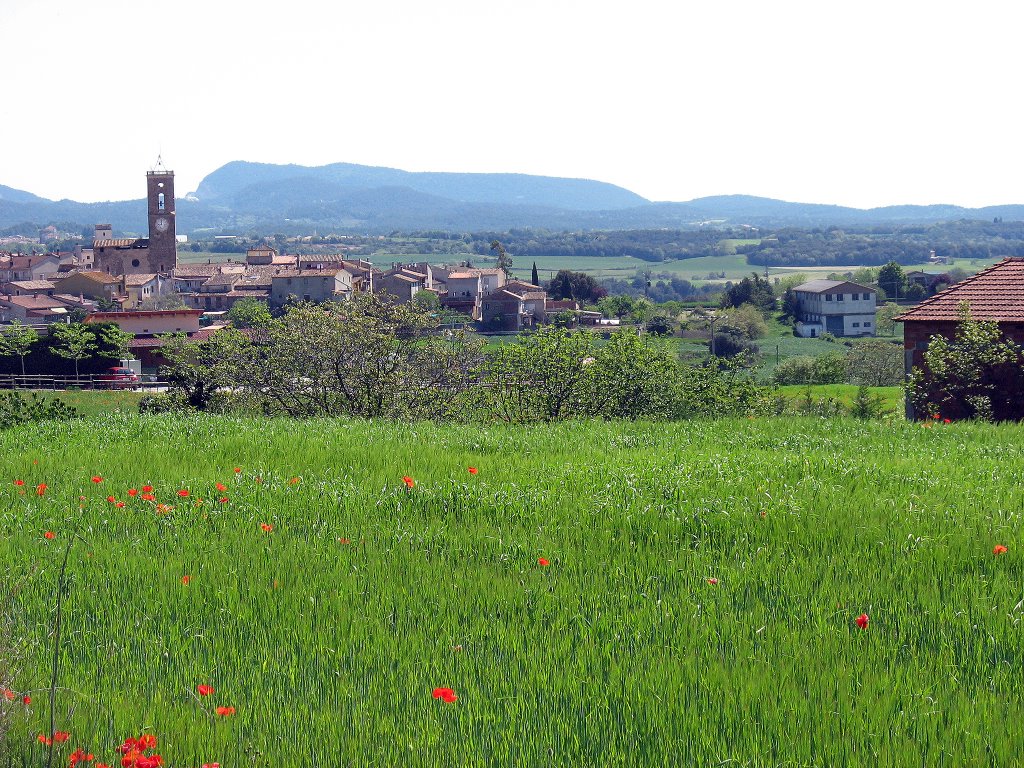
(838, 307)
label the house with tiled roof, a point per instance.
(33, 310)
(515, 306)
(995, 294)
(316, 285)
(148, 325)
(90, 285)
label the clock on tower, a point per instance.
(162, 256)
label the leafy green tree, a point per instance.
(113, 342)
(884, 318)
(504, 258)
(196, 370)
(428, 301)
(171, 300)
(875, 363)
(578, 286)
(534, 277)
(754, 290)
(75, 341)
(747, 320)
(18, 339)
(892, 280)
(616, 306)
(790, 307)
(249, 313)
(976, 374)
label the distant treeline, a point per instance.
(652, 245)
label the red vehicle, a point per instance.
(118, 378)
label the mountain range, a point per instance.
(243, 197)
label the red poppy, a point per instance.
(473, 470)
(50, 535)
(147, 741)
(61, 736)
(97, 479)
(183, 493)
(204, 690)
(409, 482)
(41, 489)
(8, 694)
(148, 497)
(225, 711)
(148, 761)
(111, 499)
(447, 695)
(80, 756)
(237, 470)
(119, 504)
(999, 549)
(221, 487)
(343, 540)
(186, 579)
(211, 765)
(19, 482)
(266, 527)
(133, 492)
(935, 416)
(147, 489)
(294, 481)
(26, 700)
(862, 621)
(712, 581)
(947, 421)
(44, 739)
(223, 499)
(543, 561)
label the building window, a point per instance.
(160, 201)
(828, 297)
(135, 262)
(867, 324)
(856, 325)
(854, 296)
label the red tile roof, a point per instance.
(996, 293)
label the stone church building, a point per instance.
(144, 255)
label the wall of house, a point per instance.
(838, 312)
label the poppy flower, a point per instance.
(148, 497)
(935, 416)
(447, 695)
(147, 489)
(186, 579)
(41, 489)
(343, 540)
(8, 694)
(26, 700)
(183, 493)
(712, 581)
(221, 487)
(19, 482)
(61, 736)
(543, 561)
(50, 535)
(211, 765)
(266, 527)
(473, 470)
(223, 499)
(409, 482)
(204, 690)
(97, 479)
(147, 741)
(133, 492)
(149, 761)
(237, 470)
(947, 421)
(294, 481)
(999, 549)
(225, 711)
(44, 739)
(111, 499)
(862, 621)
(119, 504)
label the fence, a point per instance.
(9, 381)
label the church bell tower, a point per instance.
(163, 248)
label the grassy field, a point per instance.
(598, 594)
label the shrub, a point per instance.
(17, 409)
(829, 368)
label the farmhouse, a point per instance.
(838, 307)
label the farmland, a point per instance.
(598, 593)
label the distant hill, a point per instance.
(243, 197)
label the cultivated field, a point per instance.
(597, 594)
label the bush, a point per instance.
(164, 402)
(829, 368)
(16, 409)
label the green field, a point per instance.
(698, 604)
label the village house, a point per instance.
(38, 267)
(403, 283)
(316, 285)
(148, 326)
(28, 288)
(838, 307)
(98, 286)
(142, 287)
(34, 310)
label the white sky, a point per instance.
(856, 103)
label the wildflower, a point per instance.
(97, 479)
(473, 470)
(999, 549)
(147, 741)
(44, 739)
(294, 481)
(266, 527)
(935, 416)
(712, 581)
(111, 499)
(147, 489)
(19, 483)
(186, 579)
(26, 700)
(543, 561)
(221, 487)
(447, 695)
(50, 535)
(947, 421)
(225, 711)
(80, 756)
(223, 499)
(409, 482)
(183, 493)
(8, 694)
(204, 690)
(61, 736)
(211, 765)
(237, 470)
(133, 492)
(862, 621)
(343, 540)
(119, 504)
(41, 489)
(148, 497)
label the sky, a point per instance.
(862, 103)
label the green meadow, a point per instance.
(596, 594)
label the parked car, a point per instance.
(118, 378)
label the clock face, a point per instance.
(162, 224)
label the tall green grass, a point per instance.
(620, 652)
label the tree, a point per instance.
(616, 306)
(875, 363)
(790, 307)
(112, 341)
(17, 339)
(504, 258)
(746, 319)
(167, 301)
(884, 318)
(428, 301)
(892, 280)
(534, 277)
(578, 286)
(754, 290)
(249, 313)
(75, 342)
(977, 374)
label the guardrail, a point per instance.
(55, 383)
